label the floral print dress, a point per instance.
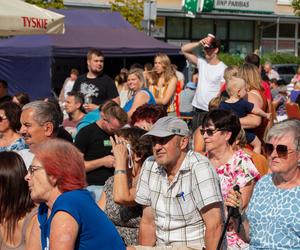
(17, 145)
(239, 170)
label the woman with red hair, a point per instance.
(68, 216)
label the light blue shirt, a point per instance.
(89, 118)
(274, 216)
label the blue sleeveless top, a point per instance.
(96, 231)
(151, 100)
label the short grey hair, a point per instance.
(268, 63)
(284, 127)
(44, 112)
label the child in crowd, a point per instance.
(279, 103)
(236, 89)
(229, 72)
(295, 92)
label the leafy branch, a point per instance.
(56, 4)
(131, 10)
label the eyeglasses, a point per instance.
(33, 168)
(209, 131)
(2, 118)
(281, 150)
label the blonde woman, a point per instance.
(255, 95)
(164, 89)
(138, 95)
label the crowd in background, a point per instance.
(152, 161)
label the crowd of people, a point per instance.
(114, 164)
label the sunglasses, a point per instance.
(2, 118)
(281, 150)
(209, 132)
(33, 168)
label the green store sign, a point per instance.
(254, 6)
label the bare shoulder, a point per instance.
(255, 98)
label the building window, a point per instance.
(286, 46)
(241, 30)
(178, 28)
(287, 30)
(268, 46)
(221, 29)
(240, 48)
(201, 27)
(268, 30)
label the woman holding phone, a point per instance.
(117, 199)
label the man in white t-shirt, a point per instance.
(210, 76)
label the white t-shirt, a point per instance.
(210, 79)
(273, 75)
(27, 156)
(68, 87)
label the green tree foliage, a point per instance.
(274, 58)
(131, 10)
(56, 4)
(296, 6)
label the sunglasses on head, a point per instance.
(281, 150)
(209, 131)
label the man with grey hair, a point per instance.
(271, 73)
(40, 121)
(180, 192)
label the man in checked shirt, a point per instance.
(180, 192)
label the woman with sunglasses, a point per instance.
(68, 216)
(234, 167)
(10, 139)
(17, 212)
(117, 199)
(272, 220)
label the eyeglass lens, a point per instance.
(281, 150)
(209, 132)
(33, 168)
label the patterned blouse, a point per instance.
(17, 145)
(274, 216)
(239, 170)
(126, 219)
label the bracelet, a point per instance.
(120, 171)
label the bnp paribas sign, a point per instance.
(256, 6)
